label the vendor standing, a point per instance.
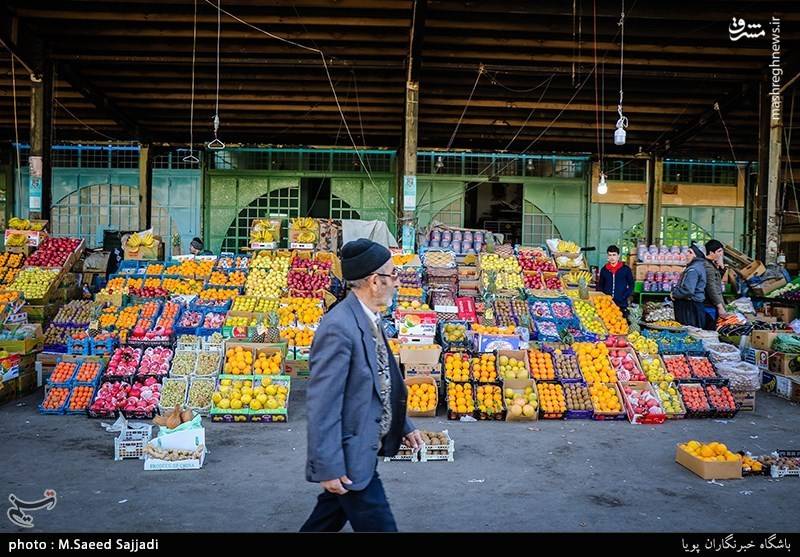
(689, 294)
(714, 302)
(616, 279)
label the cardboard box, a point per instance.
(416, 323)
(762, 340)
(784, 364)
(419, 369)
(709, 470)
(153, 253)
(754, 269)
(761, 358)
(768, 286)
(785, 315)
(406, 339)
(520, 385)
(520, 355)
(423, 380)
(493, 343)
(187, 440)
(297, 368)
(781, 385)
(426, 357)
(36, 342)
(34, 237)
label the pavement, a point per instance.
(543, 476)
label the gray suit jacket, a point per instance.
(343, 401)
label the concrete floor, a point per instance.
(539, 476)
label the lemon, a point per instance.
(216, 397)
(255, 405)
(246, 399)
(266, 382)
(224, 404)
(236, 404)
(262, 398)
(272, 404)
(272, 390)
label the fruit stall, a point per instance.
(499, 333)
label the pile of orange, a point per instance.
(268, 365)
(134, 282)
(182, 286)
(63, 372)
(605, 398)
(484, 369)
(611, 315)
(484, 330)
(88, 372)
(154, 269)
(456, 367)
(238, 361)
(551, 397)
(236, 278)
(541, 365)
(459, 398)
(149, 310)
(421, 397)
(298, 337)
(711, 452)
(12, 260)
(10, 296)
(152, 282)
(81, 396)
(490, 399)
(594, 363)
(218, 294)
(192, 269)
(306, 311)
(56, 398)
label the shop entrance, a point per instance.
(496, 207)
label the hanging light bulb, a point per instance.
(439, 163)
(622, 123)
(529, 166)
(602, 186)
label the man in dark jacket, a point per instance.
(356, 399)
(689, 293)
(714, 303)
(616, 279)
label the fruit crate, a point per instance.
(698, 414)
(68, 383)
(185, 386)
(202, 410)
(96, 380)
(80, 347)
(443, 452)
(542, 413)
(278, 414)
(673, 415)
(130, 443)
(612, 416)
(559, 377)
(53, 411)
(229, 416)
(404, 454)
(577, 414)
(81, 411)
(103, 347)
(650, 419)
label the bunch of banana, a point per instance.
(574, 277)
(16, 240)
(37, 226)
(262, 232)
(16, 223)
(305, 228)
(136, 240)
(568, 247)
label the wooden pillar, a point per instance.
(145, 188)
(763, 172)
(40, 180)
(773, 174)
(655, 169)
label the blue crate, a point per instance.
(103, 347)
(55, 411)
(76, 383)
(69, 412)
(79, 347)
(68, 383)
(198, 305)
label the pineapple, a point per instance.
(273, 333)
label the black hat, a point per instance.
(362, 257)
(699, 251)
(197, 244)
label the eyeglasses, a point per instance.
(392, 276)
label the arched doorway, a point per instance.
(537, 227)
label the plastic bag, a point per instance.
(743, 376)
(194, 423)
(722, 352)
(743, 305)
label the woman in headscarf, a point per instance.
(689, 293)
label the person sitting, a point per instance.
(196, 247)
(616, 279)
(689, 293)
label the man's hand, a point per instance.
(336, 486)
(413, 440)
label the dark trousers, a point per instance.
(688, 312)
(366, 510)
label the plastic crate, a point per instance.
(202, 410)
(96, 380)
(81, 411)
(53, 411)
(79, 347)
(130, 443)
(425, 454)
(103, 347)
(412, 456)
